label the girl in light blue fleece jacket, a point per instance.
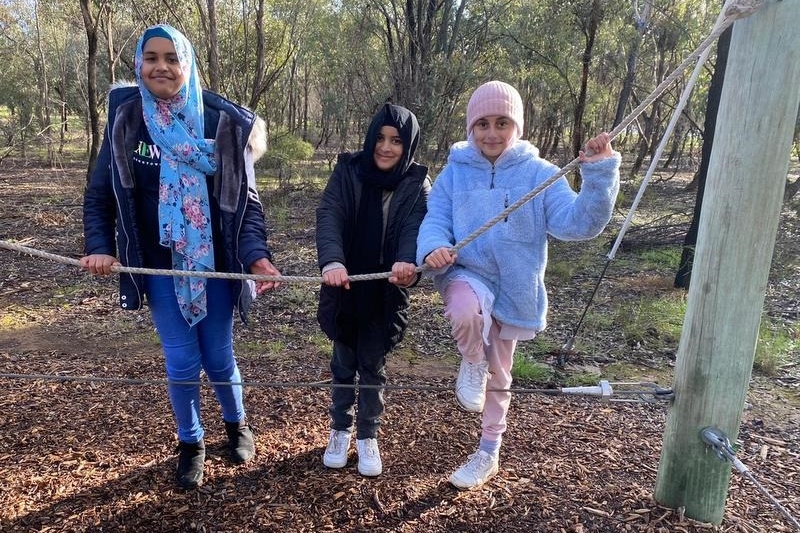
(493, 289)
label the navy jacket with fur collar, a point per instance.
(109, 214)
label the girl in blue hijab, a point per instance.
(160, 197)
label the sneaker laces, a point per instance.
(476, 462)
(475, 373)
(336, 443)
(371, 448)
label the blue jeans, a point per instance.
(207, 345)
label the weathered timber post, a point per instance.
(738, 224)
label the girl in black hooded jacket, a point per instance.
(367, 222)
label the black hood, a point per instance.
(406, 124)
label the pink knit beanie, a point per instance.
(495, 98)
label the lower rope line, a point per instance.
(605, 390)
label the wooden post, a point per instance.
(744, 192)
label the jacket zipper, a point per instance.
(505, 200)
(407, 214)
(126, 252)
(240, 221)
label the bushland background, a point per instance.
(92, 456)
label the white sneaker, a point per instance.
(336, 452)
(369, 457)
(471, 385)
(478, 469)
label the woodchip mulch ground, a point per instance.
(99, 456)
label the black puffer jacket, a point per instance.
(336, 219)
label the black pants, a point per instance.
(367, 360)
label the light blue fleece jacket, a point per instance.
(510, 258)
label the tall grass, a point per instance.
(778, 345)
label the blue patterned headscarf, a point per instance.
(184, 216)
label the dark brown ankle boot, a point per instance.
(191, 456)
(240, 441)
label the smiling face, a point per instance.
(493, 134)
(388, 148)
(161, 68)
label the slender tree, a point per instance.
(589, 19)
(208, 21)
(684, 274)
(641, 25)
(45, 120)
(91, 22)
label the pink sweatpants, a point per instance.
(463, 311)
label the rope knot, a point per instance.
(742, 8)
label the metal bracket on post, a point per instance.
(718, 441)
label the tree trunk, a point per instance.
(112, 57)
(213, 47)
(678, 138)
(261, 66)
(640, 21)
(90, 24)
(306, 89)
(684, 274)
(45, 119)
(793, 187)
(590, 26)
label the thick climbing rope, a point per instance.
(682, 101)
(191, 273)
(738, 9)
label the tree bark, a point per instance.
(589, 26)
(683, 276)
(90, 24)
(213, 47)
(640, 21)
(112, 56)
(45, 119)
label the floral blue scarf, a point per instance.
(184, 216)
